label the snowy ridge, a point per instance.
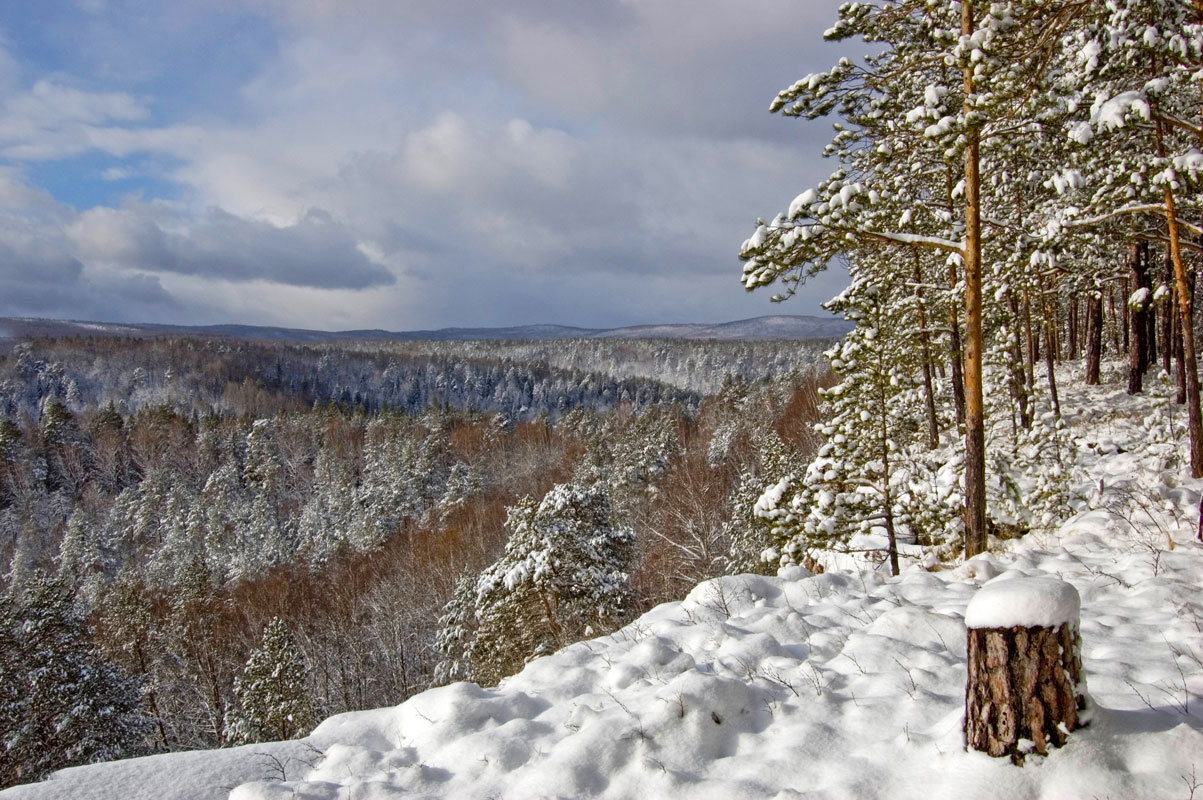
(846, 684)
(779, 326)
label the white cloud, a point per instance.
(52, 120)
(316, 251)
(17, 195)
(475, 164)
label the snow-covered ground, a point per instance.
(842, 685)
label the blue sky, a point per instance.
(400, 164)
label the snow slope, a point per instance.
(843, 685)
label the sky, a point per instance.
(400, 164)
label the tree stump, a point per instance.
(1025, 690)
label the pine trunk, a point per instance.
(1094, 338)
(1150, 311)
(1179, 361)
(1111, 316)
(956, 351)
(1194, 415)
(1167, 316)
(1050, 369)
(1072, 322)
(1018, 387)
(1138, 326)
(1125, 291)
(1030, 342)
(975, 427)
(929, 397)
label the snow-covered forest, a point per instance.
(176, 512)
(226, 543)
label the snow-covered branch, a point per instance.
(915, 240)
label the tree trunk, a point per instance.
(1054, 331)
(1115, 327)
(1050, 324)
(956, 351)
(1125, 291)
(1018, 389)
(1094, 338)
(1179, 361)
(1167, 317)
(1022, 693)
(975, 429)
(1072, 339)
(1150, 310)
(1030, 341)
(929, 398)
(1194, 415)
(1137, 348)
(887, 499)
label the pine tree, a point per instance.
(955, 85)
(1134, 65)
(80, 563)
(871, 475)
(750, 536)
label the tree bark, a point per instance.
(1072, 322)
(1194, 416)
(1167, 317)
(1094, 338)
(929, 398)
(1125, 291)
(1138, 352)
(1030, 341)
(1115, 328)
(1018, 388)
(975, 429)
(1023, 685)
(956, 351)
(1179, 361)
(1050, 323)
(887, 499)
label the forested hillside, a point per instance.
(180, 517)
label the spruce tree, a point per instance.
(61, 704)
(564, 575)
(272, 692)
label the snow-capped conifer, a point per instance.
(564, 573)
(61, 704)
(272, 692)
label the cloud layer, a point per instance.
(368, 163)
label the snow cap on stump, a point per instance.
(1023, 602)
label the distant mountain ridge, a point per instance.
(779, 326)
